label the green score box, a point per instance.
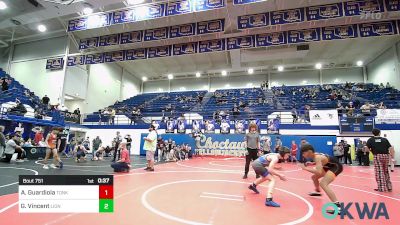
(106, 205)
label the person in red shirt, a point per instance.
(294, 152)
(38, 136)
(124, 164)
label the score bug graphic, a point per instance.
(66, 194)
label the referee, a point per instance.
(379, 147)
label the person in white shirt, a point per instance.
(150, 146)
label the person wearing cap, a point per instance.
(380, 148)
(150, 146)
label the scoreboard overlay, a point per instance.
(66, 194)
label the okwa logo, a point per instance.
(364, 211)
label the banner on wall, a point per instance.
(387, 116)
(212, 26)
(170, 126)
(135, 54)
(55, 64)
(378, 29)
(339, 32)
(178, 7)
(253, 21)
(109, 40)
(131, 37)
(212, 46)
(156, 34)
(287, 16)
(302, 36)
(324, 117)
(185, 49)
(209, 126)
(196, 126)
(240, 42)
(116, 56)
(271, 39)
(76, 60)
(392, 5)
(324, 12)
(182, 30)
(362, 7)
(273, 125)
(89, 43)
(181, 126)
(225, 127)
(240, 127)
(156, 52)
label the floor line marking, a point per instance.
(222, 198)
(226, 195)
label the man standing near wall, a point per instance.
(380, 147)
(150, 146)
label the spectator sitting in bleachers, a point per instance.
(388, 85)
(18, 109)
(45, 100)
(4, 84)
(381, 105)
(381, 86)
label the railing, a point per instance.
(286, 116)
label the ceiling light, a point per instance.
(3, 5)
(42, 28)
(360, 63)
(198, 74)
(68, 98)
(281, 68)
(134, 2)
(318, 66)
(224, 73)
(170, 76)
(304, 82)
(87, 10)
(250, 71)
(144, 78)
(227, 85)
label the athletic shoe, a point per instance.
(147, 168)
(46, 167)
(315, 194)
(61, 164)
(332, 211)
(245, 176)
(53, 166)
(19, 160)
(254, 188)
(392, 170)
(257, 176)
(271, 204)
(150, 170)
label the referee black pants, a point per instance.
(250, 156)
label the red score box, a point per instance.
(106, 192)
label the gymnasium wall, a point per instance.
(277, 79)
(33, 75)
(130, 85)
(386, 67)
(4, 58)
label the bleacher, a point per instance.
(369, 93)
(227, 99)
(154, 105)
(17, 91)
